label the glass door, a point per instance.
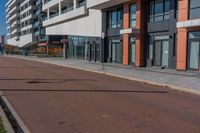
(157, 53)
(194, 55)
(165, 53)
(115, 51)
(92, 52)
(97, 52)
(132, 53)
(161, 53)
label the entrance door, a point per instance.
(115, 51)
(161, 53)
(132, 53)
(97, 52)
(194, 55)
(165, 53)
(92, 52)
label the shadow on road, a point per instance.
(39, 81)
(59, 90)
(34, 67)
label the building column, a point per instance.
(182, 35)
(48, 14)
(59, 7)
(140, 39)
(126, 25)
(64, 51)
(182, 49)
(75, 3)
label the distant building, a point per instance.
(2, 40)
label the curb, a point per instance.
(6, 122)
(173, 87)
(13, 117)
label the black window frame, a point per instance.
(119, 21)
(131, 19)
(193, 8)
(165, 14)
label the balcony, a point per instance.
(102, 4)
(65, 15)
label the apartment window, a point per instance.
(133, 15)
(194, 9)
(159, 10)
(115, 18)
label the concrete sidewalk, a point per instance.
(183, 81)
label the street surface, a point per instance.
(55, 99)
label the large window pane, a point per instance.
(159, 10)
(194, 3)
(194, 34)
(195, 13)
(133, 15)
(158, 6)
(194, 9)
(194, 55)
(114, 19)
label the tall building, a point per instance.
(76, 23)
(2, 40)
(13, 21)
(20, 18)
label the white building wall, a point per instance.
(90, 25)
(26, 39)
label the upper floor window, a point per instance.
(133, 15)
(115, 18)
(194, 9)
(159, 10)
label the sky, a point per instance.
(2, 17)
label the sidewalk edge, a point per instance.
(16, 116)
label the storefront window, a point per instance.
(115, 51)
(115, 18)
(194, 9)
(133, 15)
(193, 35)
(159, 10)
(193, 50)
(78, 47)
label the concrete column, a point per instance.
(48, 13)
(64, 51)
(75, 3)
(59, 8)
(47, 50)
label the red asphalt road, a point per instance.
(54, 99)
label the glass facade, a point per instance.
(133, 15)
(115, 51)
(159, 50)
(78, 48)
(132, 50)
(159, 10)
(193, 50)
(115, 18)
(84, 48)
(194, 9)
